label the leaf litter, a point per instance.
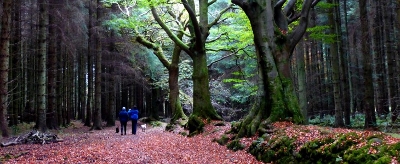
(105, 146)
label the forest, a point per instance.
(261, 67)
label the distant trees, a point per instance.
(59, 62)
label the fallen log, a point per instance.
(33, 137)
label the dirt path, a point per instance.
(106, 146)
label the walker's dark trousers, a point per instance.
(134, 126)
(123, 127)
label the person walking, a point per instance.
(123, 119)
(134, 115)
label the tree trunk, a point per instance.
(42, 56)
(390, 58)
(346, 75)
(370, 120)
(89, 100)
(173, 77)
(301, 76)
(97, 96)
(334, 54)
(201, 88)
(4, 65)
(52, 122)
(15, 63)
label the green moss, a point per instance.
(223, 140)
(235, 145)
(235, 127)
(170, 127)
(183, 133)
(316, 151)
(344, 150)
(280, 150)
(285, 104)
(195, 124)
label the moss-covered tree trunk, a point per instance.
(199, 28)
(201, 94)
(274, 47)
(173, 73)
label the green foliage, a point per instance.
(320, 33)
(325, 5)
(327, 120)
(357, 121)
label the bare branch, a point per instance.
(215, 39)
(218, 17)
(222, 58)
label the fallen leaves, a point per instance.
(153, 146)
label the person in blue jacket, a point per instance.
(123, 119)
(134, 116)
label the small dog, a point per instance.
(143, 126)
(117, 130)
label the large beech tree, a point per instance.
(199, 27)
(274, 44)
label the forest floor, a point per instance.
(155, 145)
(106, 146)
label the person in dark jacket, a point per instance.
(134, 116)
(123, 119)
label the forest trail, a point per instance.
(105, 146)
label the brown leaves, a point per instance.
(152, 146)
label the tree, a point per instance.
(52, 120)
(97, 96)
(301, 78)
(199, 30)
(4, 65)
(368, 106)
(334, 54)
(42, 57)
(89, 103)
(274, 46)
